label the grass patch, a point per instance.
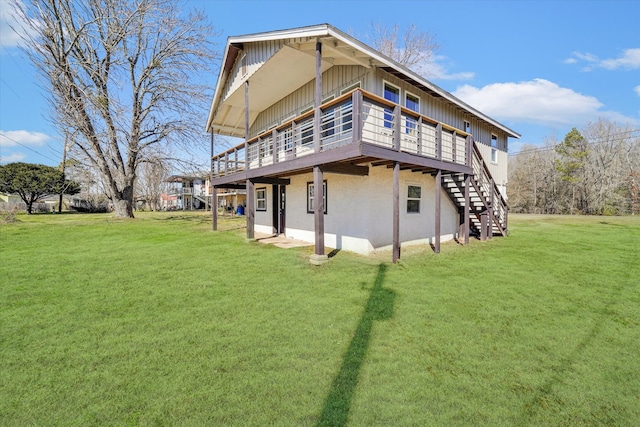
(160, 321)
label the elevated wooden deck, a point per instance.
(360, 129)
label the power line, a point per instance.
(29, 148)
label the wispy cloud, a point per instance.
(637, 89)
(629, 59)
(13, 138)
(438, 68)
(537, 101)
(8, 36)
(13, 157)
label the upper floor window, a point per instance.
(412, 102)
(391, 93)
(467, 127)
(243, 65)
(494, 148)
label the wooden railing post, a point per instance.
(274, 144)
(454, 144)
(356, 114)
(259, 145)
(235, 162)
(470, 151)
(397, 126)
(439, 141)
(419, 130)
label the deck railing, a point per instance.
(357, 115)
(488, 187)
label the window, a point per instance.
(347, 111)
(261, 199)
(467, 127)
(414, 193)
(494, 146)
(391, 93)
(243, 65)
(311, 195)
(412, 102)
(327, 119)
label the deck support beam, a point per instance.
(214, 194)
(491, 198)
(467, 207)
(318, 257)
(396, 212)
(250, 212)
(438, 206)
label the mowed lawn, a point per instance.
(160, 321)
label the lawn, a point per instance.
(160, 321)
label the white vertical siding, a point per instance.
(333, 81)
(256, 54)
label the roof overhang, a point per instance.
(294, 65)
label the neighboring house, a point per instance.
(346, 147)
(186, 192)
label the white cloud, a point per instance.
(9, 37)
(436, 68)
(637, 89)
(628, 60)
(13, 157)
(12, 138)
(537, 101)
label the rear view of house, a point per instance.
(344, 147)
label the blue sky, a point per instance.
(539, 67)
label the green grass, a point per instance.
(160, 321)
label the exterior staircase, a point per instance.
(487, 207)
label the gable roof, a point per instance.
(338, 48)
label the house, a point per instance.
(186, 192)
(345, 147)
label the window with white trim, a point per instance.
(494, 148)
(311, 196)
(261, 199)
(412, 102)
(414, 195)
(347, 116)
(327, 119)
(391, 93)
(243, 65)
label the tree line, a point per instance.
(595, 171)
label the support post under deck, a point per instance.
(396, 212)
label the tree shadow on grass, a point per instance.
(337, 405)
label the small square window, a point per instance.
(311, 196)
(414, 194)
(261, 199)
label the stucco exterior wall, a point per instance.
(360, 211)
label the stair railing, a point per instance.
(487, 186)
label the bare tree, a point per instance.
(594, 171)
(123, 76)
(414, 48)
(152, 182)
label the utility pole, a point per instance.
(64, 164)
